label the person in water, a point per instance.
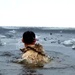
(33, 53)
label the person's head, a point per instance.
(29, 37)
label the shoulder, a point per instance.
(40, 46)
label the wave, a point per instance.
(11, 27)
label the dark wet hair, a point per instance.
(28, 37)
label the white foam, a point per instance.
(2, 36)
(68, 43)
(2, 43)
(13, 31)
(73, 47)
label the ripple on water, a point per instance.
(60, 61)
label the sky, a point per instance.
(47, 13)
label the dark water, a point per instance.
(63, 62)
